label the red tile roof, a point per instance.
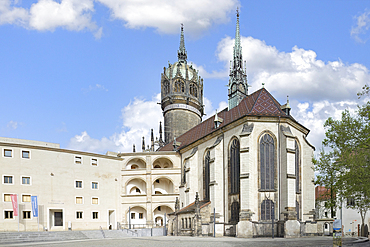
(259, 103)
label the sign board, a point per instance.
(35, 211)
(337, 225)
(337, 233)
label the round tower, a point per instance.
(181, 95)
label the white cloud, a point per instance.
(138, 118)
(47, 15)
(297, 73)
(12, 15)
(13, 124)
(209, 110)
(94, 87)
(166, 15)
(362, 26)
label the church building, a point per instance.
(240, 172)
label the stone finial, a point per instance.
(133, 148)
(143, 145)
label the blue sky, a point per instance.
(86, 74)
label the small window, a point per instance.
(95, 200)
(79, 184)
(157, 181)
(8, 215)
(326, 226)
(326, 214)
(132, 215)
(26, 198)
(159, 208)
(134, 167)
(26, 214)
(8, 179)
(8, 153)
(26, 180)
(7, 198)
(25, 154)
(79, 200)
(141, 215)
(95, 215)
(94, 162)
(78, 159)
(94, 185)
(137, 190)
(79, 215)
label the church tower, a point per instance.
(181, 95)
(238, 86)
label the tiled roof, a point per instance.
(191, 207)
(259, 103)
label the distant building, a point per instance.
(250, 164)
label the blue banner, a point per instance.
(35, 206)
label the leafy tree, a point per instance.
(327, 177)
(349, 140)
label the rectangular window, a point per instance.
(95, 215)
(7, 153)
(26, 198)
(79, 200)
(7, 198)
(8, 215)
(95, 200)
(78, 184)
(79, 215)
(26, 180)
(25, 154)
(8, 179)
(26, 214)
(94, 185)
(141, 215)
(132, 215)
(94, 162)
(78, 159)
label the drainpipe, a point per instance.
(279, 167)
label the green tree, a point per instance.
(349, 140)
(327, 177)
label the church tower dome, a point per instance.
(181, 95)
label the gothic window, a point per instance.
(233, 88)
(166, 87)
(234, 168)
(179, 87)
(267, 162)
(206, 176)
(297, 167)
(234, 212)
(267, 210)
(193, 90)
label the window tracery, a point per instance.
(267, 212)
(206, 176)
(179, 86)
(234, 169)
(267, 162)
(166, 87)
(193, 90)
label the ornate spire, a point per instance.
(181, 53)
(238, 86)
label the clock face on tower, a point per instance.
(241, 88)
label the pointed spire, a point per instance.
(151, 141)
(143, 145)
(160, 132)
(237, 47)
(181, 53)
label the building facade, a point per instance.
(231, 174)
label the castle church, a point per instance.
(240, 172)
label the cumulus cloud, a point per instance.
(138, 118)
(76, 15)
(166, 15)
(359, 31)
(209, 110)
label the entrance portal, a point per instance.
(58, 218)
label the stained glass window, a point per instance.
(267, 162)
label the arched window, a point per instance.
(297, 167)
(267, 162)
(179, 87)
(267, 210)
(193, 90)
(234, 168)
(166, 87)
(206, 176)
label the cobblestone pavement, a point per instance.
(201, 242)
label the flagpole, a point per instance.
(38, 217)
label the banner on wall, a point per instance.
(35, 208)
(15, 204)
